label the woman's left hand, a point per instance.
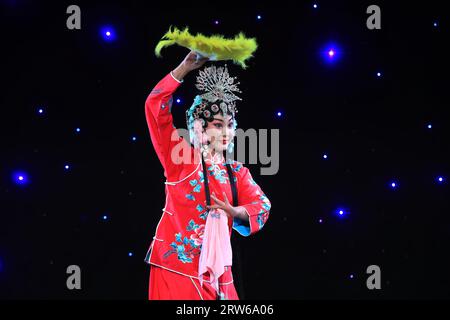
(234, 212)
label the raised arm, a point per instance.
(158, 111)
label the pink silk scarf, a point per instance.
(216, 251)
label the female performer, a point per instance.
(207, 195)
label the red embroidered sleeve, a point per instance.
(255, 203)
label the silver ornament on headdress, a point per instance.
(217, 85)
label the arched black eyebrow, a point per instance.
(222, 120)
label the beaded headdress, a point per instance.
(218, 97)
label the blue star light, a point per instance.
(108, 34)
(341, 212)
(331, 53)
(20, 178)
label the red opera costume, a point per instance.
(177, 242)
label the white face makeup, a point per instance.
(220, 132)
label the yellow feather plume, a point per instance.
(215, 47)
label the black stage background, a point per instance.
(101, 213)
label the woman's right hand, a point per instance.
(190, 62)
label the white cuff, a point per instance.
(179, 81)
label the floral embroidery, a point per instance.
(203, 212)
(192, 225)
(215, 215)
(222, 296)
(237, 168)
(263, 215)
(190, 197)
(266, 203)
(197, 187)
(197, 237)
(262, 218)
(187, 248)
(219, 174)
